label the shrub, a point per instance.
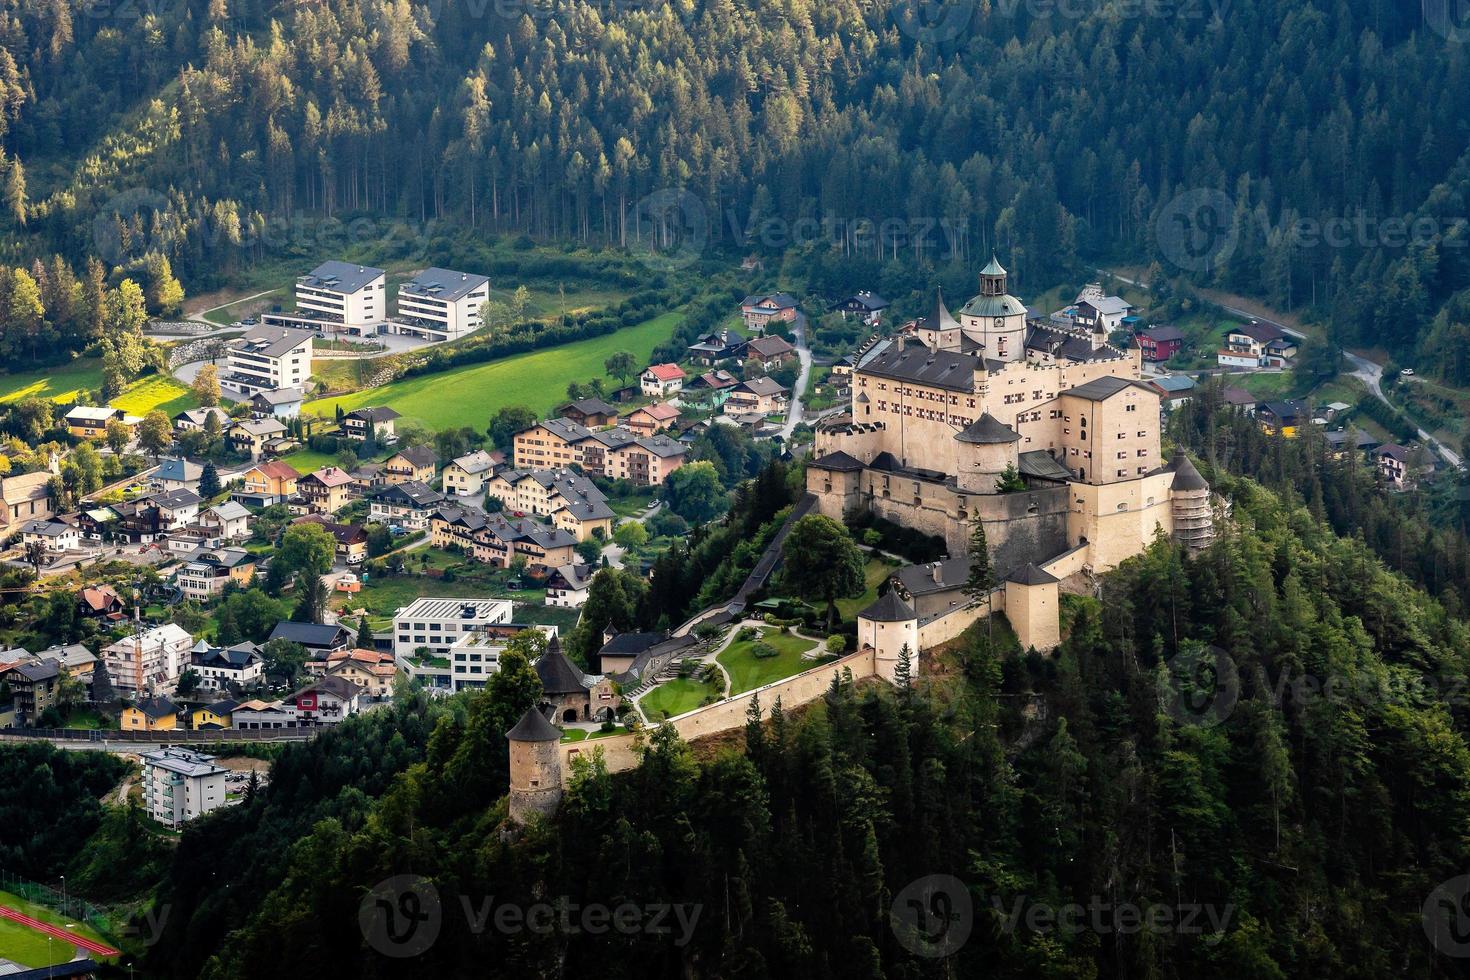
(836, 643)
(762, 650)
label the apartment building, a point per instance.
(267, 358)
(617, 453)
(440, 304)
(338, 297)
(571, 501)
(149, 661)
(325, 491)
(179, 785)
(221, 668)
(438, 624)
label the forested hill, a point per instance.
(1291, 816)
(1037, 127)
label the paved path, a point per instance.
(804, 356)
(58, 932)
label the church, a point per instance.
(1043, 431)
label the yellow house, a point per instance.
(152, 715)
(88, 422)
(213, 716)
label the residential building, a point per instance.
(150, 661)
(74, 659)
(651, 419)
(377, 421)
(769, 352)
(567, 585)
(465, 475)
(1176, 389)
(865, 305)
(266, 358)
(760, 309)
(318, 639)
(1256, 345)
(326, 490)
(711, 388)
(370, 670)
(1160, 343)
(26, 497)
(757, 396)
(405, 504)
(1392, 461)
(435, 624)
(472, 659)
(281, 403)
(455, 526)
(661, 380)
(54, 536)
(254, 437)
(413, 464)
(1095, 310)
(227, 668)
(177, 474)
(180, 785)
(712, 348)
(155, 714)
(206, 573)
(1283, 417)
(176, 508)
(195, 419)
(257, 714)
(99, 602)
(272, 478)
(213, 717)
(90, 422)
(338, 297)
(591, 412)
(229, 520)
(502, 540)
(351, 539)
(572, 502)
(33, 689)
(440, 304)
(616, 453)
(327, 702)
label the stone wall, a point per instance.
(620, 751)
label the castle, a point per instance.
(944, 415)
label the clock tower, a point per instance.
(995, 318)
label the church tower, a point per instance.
(995, 318)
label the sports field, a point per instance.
(469, 395)
(24, 931)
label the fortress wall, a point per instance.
(620, 753)
(952, 624)
(1069, 563)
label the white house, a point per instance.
(149, 661)
(177, 474)
(438, 624)
(54, 536)
(465, 476)
(440, 304)
(337, 297)
(267, 358)
(660, 380)
(224, 668)
(282, 403)
(568, 584)
(229, 520)
(179, 785)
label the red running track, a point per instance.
(87, 944)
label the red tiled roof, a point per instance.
(666, 372)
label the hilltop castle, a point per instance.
(943, 412)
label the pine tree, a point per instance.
(902, 672)
(209, 482)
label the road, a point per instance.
(804, 355)
(1369, 372)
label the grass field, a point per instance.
(164, 393)
(30, 948)
(306, 461)
(64, 382)
(538, 379)
(875, 572)
(676, 697)
(749, 671)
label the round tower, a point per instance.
(986, 447)
(995, 318)
(1189, 504)
(535, 767)
(890, 626)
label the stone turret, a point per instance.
(987, 447)
(1032, 607)
(535, 767)
(1189, 501)
(887, 626)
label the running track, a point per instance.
(87, 944)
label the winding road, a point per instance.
(804, 356)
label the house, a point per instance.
(377, 421)
(1175, 389)
(437, 624)
(661, 380)
(99, 602)
(1337, 441)
(367, 478)
(650, 419)
(268, 357)
(712, 348)
(616, 453)
(150, 660)
(712, 387)
(213, 717)
(1160, 343)
(370, 670)
(55, 537)
(1239, 398)
(155, 714)
(180, 785)
(758, 396)
(406, 504)
(252, 436)
(769, 352)
(1256, 345)
(865, 305)
(1282, 416)
(1096, 311)
(271, 479)
(139, 522)
(207, 571)
(336, 298)
(416, 463)
(570, 500)
(229, 520)
(567, 585)
(195, 419)
(1394, 466)
(326, 490)
(90, 422)
(318, 639)
(591, 412)
(455, 526)
(255, 715)
(176, 508)
(281, 403)
(74, 659)
(98, 523)
(440, 304)
(177, 474)
(351, 539)
(503, 540)
(26, 497)
(465, 475)
(33, 689)
(227, 668)
(759, 309)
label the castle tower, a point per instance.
(887, 626)
(987, 447)
(1189, 502)
(995, 318)
(1031, 606)
(535, 767)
